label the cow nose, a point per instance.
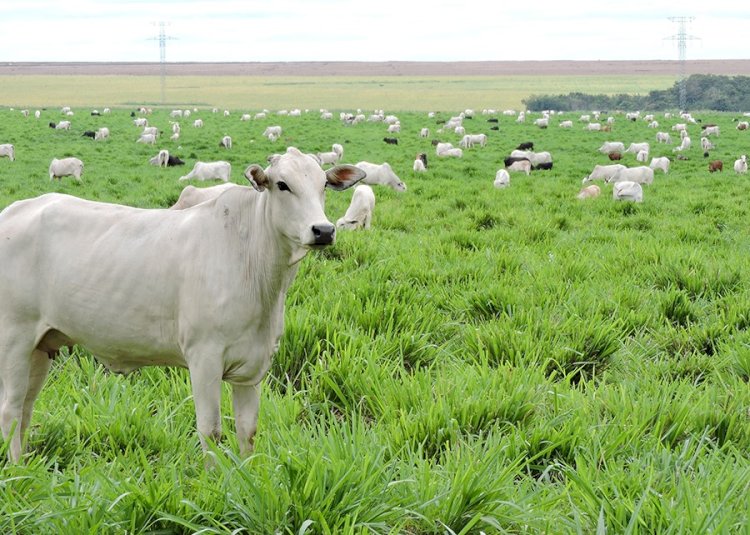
(324, 233)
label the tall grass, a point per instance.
(482, 360)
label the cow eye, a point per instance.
(282, 186)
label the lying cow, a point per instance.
(627, 191)
(66, 167)
(359, 213)
(7, 150)
(209, 171)
(201, 288)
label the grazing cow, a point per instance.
(226, 142)
(219, 170)
(190, 195)
(272, 130)
(627, 191)
(710, 130)
(422, 156)
(521, 164)
(391, 140)
(89, 133)
(715, 165)
(201, 288)
(148, 139)
(536, 158)
(640, 174)
(706, 144)
(493, 120)
(328, 157)
(542, 166)
(743, 125)
(7, 150)
(502, 179)
(614, 156)
(101, 133)
(684, 145)
(359, 213)
(589, 192)
(663, 137)
(542, 122)
(526, 145)
(140, 121)
(161, 159)
(635, 148)
(418, 166)
(66, 167)
(469, 140)
(425, 132)
(512, 159)
(381, 174)
(566, 124)
(603, 172)
(660, 163)
(452, 153)
(642, 156)
(338, 149)
(394, 128)
(198, 123)
(612, 146)
(740, 166)
(593, 127)
(62, 125)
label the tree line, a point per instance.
(702, 91)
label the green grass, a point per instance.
(481, 360)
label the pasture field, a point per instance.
(419, 93)
(481, 360)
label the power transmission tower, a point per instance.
(682, 38)
(162, 38)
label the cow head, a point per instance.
(295, 185)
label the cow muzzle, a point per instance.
(323, 234)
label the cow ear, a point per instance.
(343, 176)
(257, 177)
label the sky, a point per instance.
(381, 30)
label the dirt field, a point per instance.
(390, 68)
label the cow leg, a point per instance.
(246, 402)
(206, 382)
(14, 376)
(40, 365)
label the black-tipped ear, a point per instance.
(257, 177)
(343, 176)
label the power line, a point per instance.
(682, 38)
(162, 38)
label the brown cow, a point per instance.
(716, 165)
(615, 156)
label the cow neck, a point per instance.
(271, 262)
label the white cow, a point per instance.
(612, 146)
(7, 150)
(635, 148)
(520, 165)
(640, 174)
(627, 191)
(161, 159)
(502, 179)
(101, 133)
(359, 213)
(740, 166)
(536, 158)
(566, 124)
(272, 130)
(66, 167)
(542, 122)
(394, 128)
(603, 172)
(452, 153)
(593, 127)
(209, 171)
(62, 125)
(711, 131)
(442, 147)
(663, 137)
(202, 288)
(425, 132)
(589, 192)
(684, 145)
(381, 174)
(226, 142)
(338, 149)
(140, 121)
(151, 130)
(661, 162)
(642, 156)
(706, 144)
(469, 140)
(419, 166)
(198, 123)
(190, 195)
(148, 139)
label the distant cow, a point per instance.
(66, 167)
(89, 133)
(502, 179)
(526, 145)
(190, 195)
(589, 192)
(391, 140)
(627, 191)
(8, 150)
(715, 165)
(209, 171)
(381, 174)
(614, 156)
(359, 213)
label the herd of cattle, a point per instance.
(202, 285)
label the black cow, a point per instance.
(174, 160)
(510, 160)
(423, 156)
(544, 166)
(526, 145)
(89, 133)
(391, 140)
(492, 120)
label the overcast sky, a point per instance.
(351, 30)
